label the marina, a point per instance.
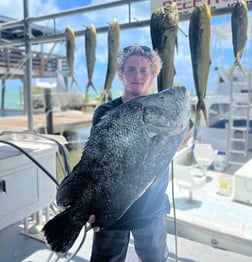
(62, 121)
(210, 187)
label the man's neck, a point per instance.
(126, 97)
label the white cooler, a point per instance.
(243, 183)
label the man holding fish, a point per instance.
(146, 218)
(137, 67)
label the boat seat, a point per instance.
(204, 154)
(189, 177)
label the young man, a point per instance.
(137, 68)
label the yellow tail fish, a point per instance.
(164, 28)
(70, 50)
(90, 50)
(199, 41)
(113, 48)
(239, 26)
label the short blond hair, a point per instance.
(138, 50)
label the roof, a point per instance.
(15, 29)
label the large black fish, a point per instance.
(127, 151)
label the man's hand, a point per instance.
(91, 221)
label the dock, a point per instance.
(62, 121)
(213, 226)
(25, 248)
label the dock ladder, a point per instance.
(239, 115)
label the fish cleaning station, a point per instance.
(210, 187)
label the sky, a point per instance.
(221, 50)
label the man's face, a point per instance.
(136, 76)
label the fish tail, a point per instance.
(204, 113)
(240, 66)
(74, 81)
(62, 231)
(90, 83)
(197, 116)
(236, 63)
(197, 123)
(103, 96)
(201, 106)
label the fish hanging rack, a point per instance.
(45, 35)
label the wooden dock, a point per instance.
(62, 121)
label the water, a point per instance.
(13, 100)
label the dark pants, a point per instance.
(150, 243)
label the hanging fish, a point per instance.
(239, 25)
(90, 50)
(199, 41)
(113, 48)
(164, 28)
(70, 50)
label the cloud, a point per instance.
(8, 10)
(36, 8)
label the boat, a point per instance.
(216, 221)
(212, 205)
(210, 221)
(210, 217)
(230, 89)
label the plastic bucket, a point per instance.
(220, 161)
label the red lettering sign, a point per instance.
(185, 6)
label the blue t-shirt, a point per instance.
(153, 204)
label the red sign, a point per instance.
(187, 6)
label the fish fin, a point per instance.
(69, 190)
(197, 116)
(240, 66)
(163, 130)
(62, 231)
(64, 196)
(74, 81)
(205, 113)
(196, 128)
(201, 107)
(104, 96)
(232, 69)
